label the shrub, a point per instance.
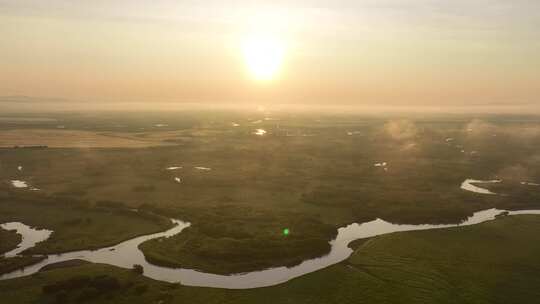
(138, 269)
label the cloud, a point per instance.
(527, 133)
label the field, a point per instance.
(494, 262)
(78, 226)
(310, 173)
(73, 139)
(8, 240)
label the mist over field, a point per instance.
(23, 104)
(275, 152)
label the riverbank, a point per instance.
(459, 265)
(127, 254)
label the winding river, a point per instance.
(30, 237)
(127, 253)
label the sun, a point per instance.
(263, 55)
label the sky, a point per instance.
(352, 52)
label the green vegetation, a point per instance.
(76, 225)
(17, 262)
(307, 174)
(494, 262)
(8, 240)
(240, 255)
(64, 264)
(138, 269)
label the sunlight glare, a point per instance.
(263, 55)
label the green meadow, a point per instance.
(310, 174)
(493, 262)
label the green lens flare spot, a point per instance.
(286, 231)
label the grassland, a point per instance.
(18, 262)
(8, 240)
(74, 139)
(311, 173)
(494, 262)
(75, 224)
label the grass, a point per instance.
(74, 139)
(76, 225)
(241, 254)
(8, 240)
(17, 262)
(493, 262)
(260, 185)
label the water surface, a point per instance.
(126, 254)
(468, 185)
(30, 237)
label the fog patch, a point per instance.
(401, 130)
(515, 174)
(404, 133)
(478, 128)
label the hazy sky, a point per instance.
(335, 52)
